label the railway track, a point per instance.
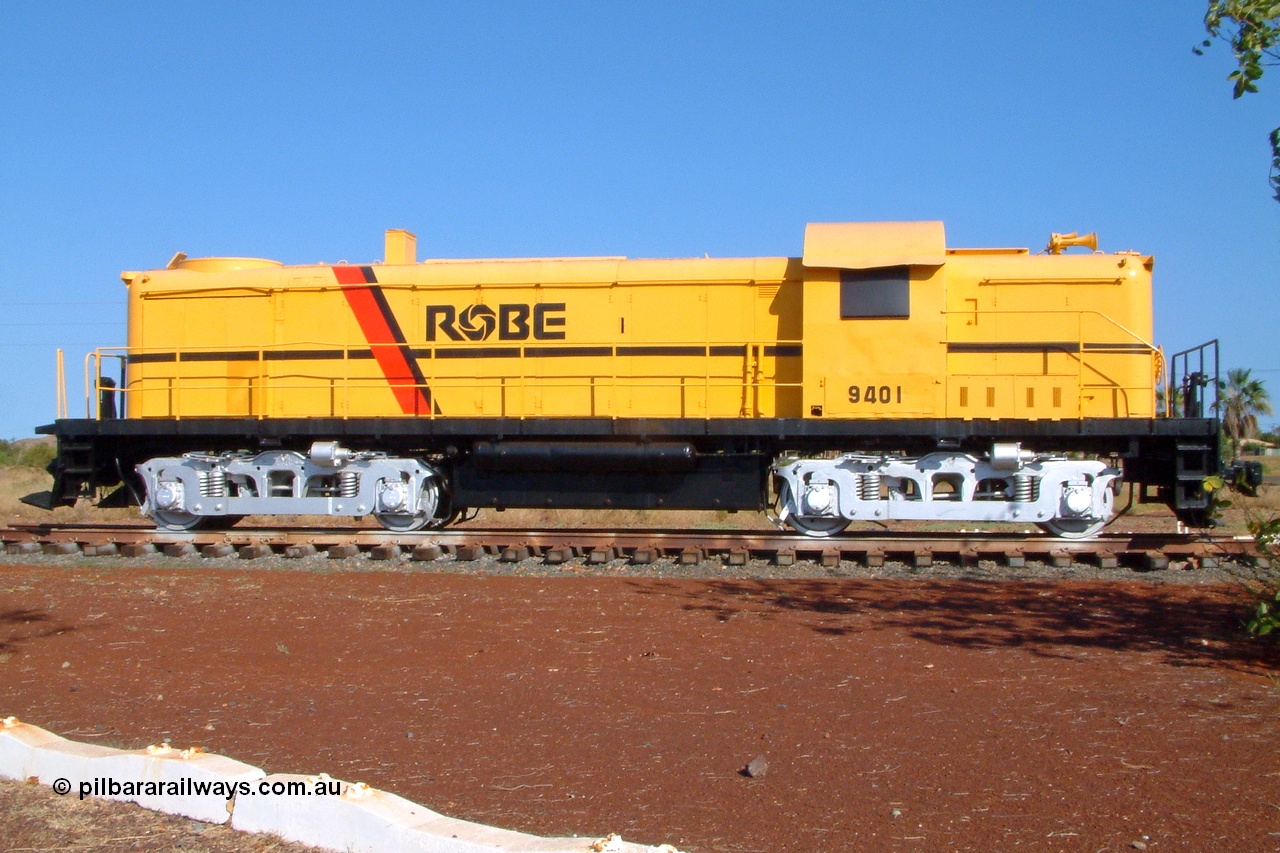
(1146, 551)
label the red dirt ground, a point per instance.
(894, 714)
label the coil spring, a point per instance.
(213, 484)
(869, 487)
(349, 484)
(1025, 487)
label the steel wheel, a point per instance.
(177, 520)
(818, 528)
(428, 502)
(1073, 528)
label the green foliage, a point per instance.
(25, 454)
(1265, 581)
(1266, 618)
(1252, 28)
(1266, 538)
(1217, 489)
(1169, 401)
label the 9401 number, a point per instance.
(868, 394)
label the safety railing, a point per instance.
(713, 378)
(1077, 345)
(60, 392)
(1193, 382)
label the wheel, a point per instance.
(818, 528)
(815, 526)
(177, 520)
(410, 523)
(1073, 528)
(428, 500)
(186, 521)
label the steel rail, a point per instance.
(594, 546)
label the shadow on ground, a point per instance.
(1189, 626)
(22, 625)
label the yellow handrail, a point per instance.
(1082, 346)
(61, 389)
(745, 372)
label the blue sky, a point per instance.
(301, 131)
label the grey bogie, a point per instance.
(217, 489)
(1070, 498)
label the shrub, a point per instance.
(25, 454)
(1266, 538)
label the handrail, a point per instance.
(1189, 382)
(1057, 280)
(1082, 347)
(319, 284)
(1078, 313)
(745, 369)
(91, 386)
(60, 391)
(262, 385)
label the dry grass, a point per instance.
(1266, 505)
(33, 818)
(16, 482)
(1270, 465)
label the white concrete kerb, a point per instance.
(316, 810)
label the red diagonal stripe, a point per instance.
(351, 275)
(389, 348)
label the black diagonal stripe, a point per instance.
(396, 332)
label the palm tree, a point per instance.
(1242, 398)
(1169, 401)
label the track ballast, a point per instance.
(1142, 551)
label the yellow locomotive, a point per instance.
(879, 376)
